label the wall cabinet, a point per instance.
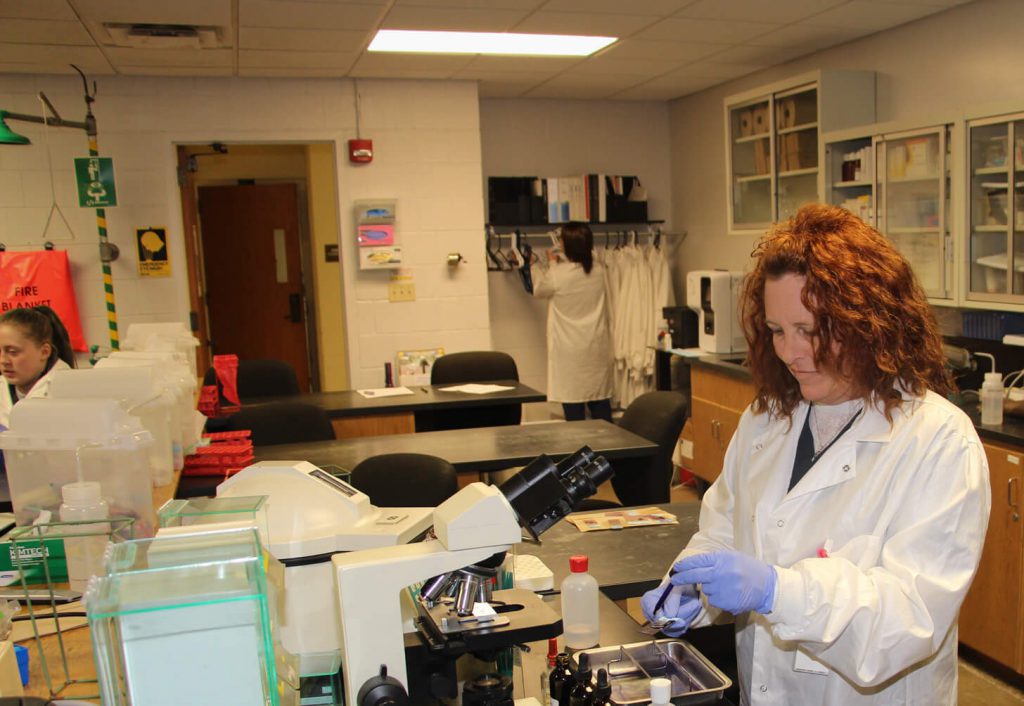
(717, 400)
(991, 616)
(900, 182)
(773, 146)
(996, 210)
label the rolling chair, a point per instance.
(282, 423)
(261, 378)
(405, 480)
(658, 417)
(472, 366)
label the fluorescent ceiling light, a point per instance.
(507, 43)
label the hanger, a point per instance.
(491, 254)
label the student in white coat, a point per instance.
(849, 519)
(33, 344)
(579, 342)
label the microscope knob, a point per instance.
(382, 690)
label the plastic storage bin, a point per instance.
(140, 394)
(185, 620)
(163, 337)
(53, 442)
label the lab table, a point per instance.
(354, 415)
(471, 451)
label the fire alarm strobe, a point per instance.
(360, 151)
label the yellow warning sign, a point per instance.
(154, 260)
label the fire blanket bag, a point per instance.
(41, 278)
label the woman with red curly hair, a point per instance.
(848, 521)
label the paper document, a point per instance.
(621, 519)
(688, 352)
(385, 392)
(474, 388)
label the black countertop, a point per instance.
(1011, 431)
(349, 403)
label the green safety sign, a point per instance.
(95, 177)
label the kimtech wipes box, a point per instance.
(28, 556)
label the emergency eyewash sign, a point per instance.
(95, 177)
(151, 244)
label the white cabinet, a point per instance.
(772, 141)
(995, 188)
(899, 182)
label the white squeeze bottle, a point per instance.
(579, 605)
(82, 501)
(992, 399)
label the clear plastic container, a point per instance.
(171, 336)
(84, 544)
(140, 394)
(205, 511)
(580, 617)
(54, 442)
(185, 620)
(992, 399)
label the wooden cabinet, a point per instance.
(718, 399)
(991, 616)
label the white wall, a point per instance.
(969, 56)
(427, 143)
(531, 137)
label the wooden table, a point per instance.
(471, 451)
(354, 415)
(77, 643)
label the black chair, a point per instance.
(282, 423)
(658, 417)
(405, 480)
(472, 366)
(261, 378)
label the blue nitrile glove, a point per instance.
(680, 603)
(732, 581)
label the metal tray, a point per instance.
(631, 667)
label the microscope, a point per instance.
(456, 613)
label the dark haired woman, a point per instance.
(33, 344)
(579, 342)
(849, 519)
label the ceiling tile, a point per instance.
(408, 65)
(548, 64)
(871, 15)
(573, 91)
(525, 77)
(175, 70)
(197, 12)
(811, 37)
(651, 49)
(666, 88)
(307, 15)
(718, 69)
(44, 32)
(37, 9)
(293, 59)
(777, 11)
(683, 29)
(763, 56)
(52, 55)
(293, 72)
(592, 85)
(7, 67)
(944, 3)
(497, 89)
(526, 5)
(586, 24)
(122, 56)
(458, 19)
(625, 67)
(640, 7)
(300, 39)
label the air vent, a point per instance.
(165, 36)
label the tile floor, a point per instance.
(977, 687)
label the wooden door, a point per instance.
(990, 619)
(253, 269)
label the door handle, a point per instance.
(294, 308)
(1011, 498)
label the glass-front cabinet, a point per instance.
(900, 183)
(996, 210)
(914, 205)
(773, 146)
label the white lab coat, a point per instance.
(40, 389)
(579, 343)
(902, 511)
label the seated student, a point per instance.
(33, 344)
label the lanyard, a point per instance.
(805, 456)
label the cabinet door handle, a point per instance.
(1011, 497)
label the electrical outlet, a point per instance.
(401, 292)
